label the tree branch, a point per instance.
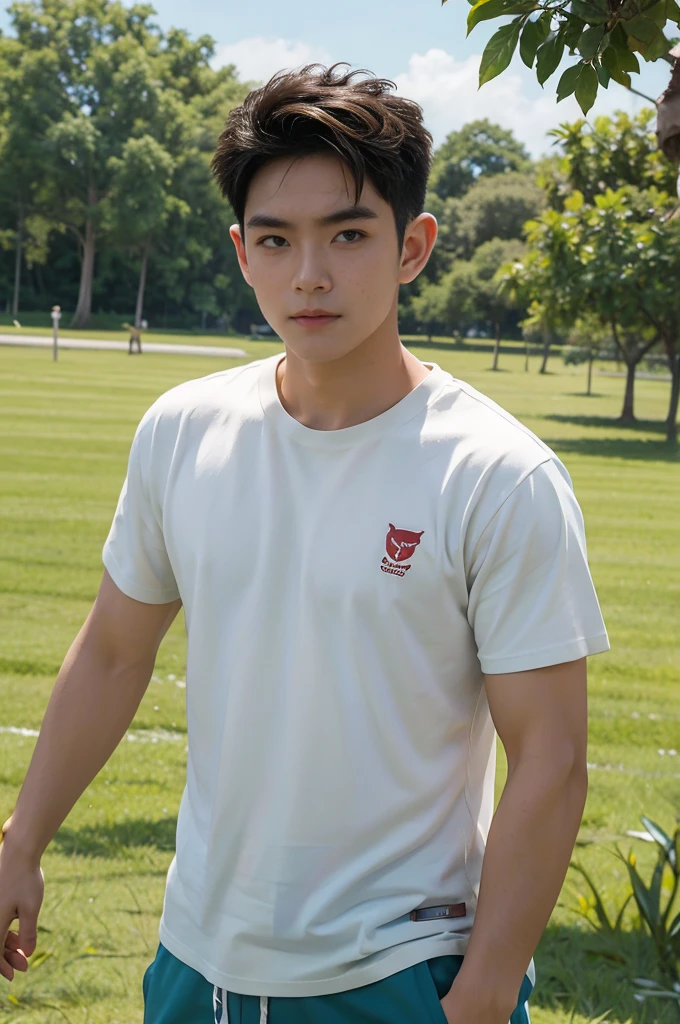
(637, 92)
(615, 333)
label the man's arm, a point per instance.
(96, 694)
(541, 718)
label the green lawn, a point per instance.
(65, 431)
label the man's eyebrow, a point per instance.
(266, 220)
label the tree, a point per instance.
(119, 80)
(473, 288)
(139, 202)
(606, 35)
(27, 106)
(495, 206)
(481, 187)
(614, 258)
(546, 278)
(479, 148)
(431, 306)
(587, 340)
(606, 153)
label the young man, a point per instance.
(379, 569)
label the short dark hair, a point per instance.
(297, 113)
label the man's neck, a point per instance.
(348, 391)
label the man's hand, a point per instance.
(22, 887)
(462, 1008)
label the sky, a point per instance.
(419, 44)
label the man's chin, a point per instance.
(319, 349)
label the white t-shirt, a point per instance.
(344, 591)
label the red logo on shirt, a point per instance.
(400, 545)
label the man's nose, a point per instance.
(311, 271)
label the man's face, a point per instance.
(350, 267)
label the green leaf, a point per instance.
(610, 60)
(574, 201)
(599, 908)
(589, 43)
(675, 927)
(619, 916)
(627, 61)
(658, 13)
(603, 75)
(533, 34)
(657, 48)
(645, 36)
(498, 51)
(586, 88)
(641, 894)
(593, 12)
(655, 887)
(568, 81)
(575, 28)
(641, 27)
(484, 10)
(660, 837)
(548, 56)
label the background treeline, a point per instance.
(108, 206)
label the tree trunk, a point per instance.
(547, 342)
(142, 284)
(17, 262)
(590, 374)
(40, 279)
(627, 413)
(84, 306)
(672, 421)
(497, 346)
(203, 319)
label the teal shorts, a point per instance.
(175, 993)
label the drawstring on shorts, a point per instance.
(220, 1001)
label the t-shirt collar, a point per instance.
(409, 406)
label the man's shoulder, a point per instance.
(202, 398)
(473, 419)
(490, 451)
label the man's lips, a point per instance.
(315, 321)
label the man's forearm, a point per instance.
(94, 699)
(529, 847)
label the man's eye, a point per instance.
(278, 238)
(266, 239)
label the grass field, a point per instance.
(65, 431)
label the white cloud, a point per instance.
(259, 57)
(447, 90)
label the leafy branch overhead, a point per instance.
(608, 36)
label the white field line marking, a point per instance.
(163, 735)
(134, 736)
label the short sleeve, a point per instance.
(532, 601)
(134, 553)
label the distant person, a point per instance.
(135, 338)
(379, 568)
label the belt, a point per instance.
(435, 913)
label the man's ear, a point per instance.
(235, 232)
(419, 240)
